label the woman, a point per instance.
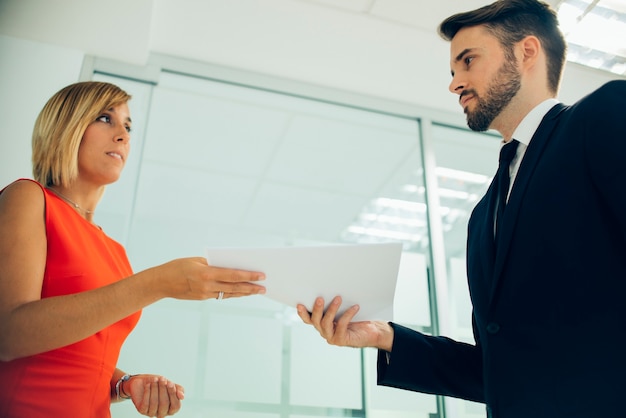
(68, 297)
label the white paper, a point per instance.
(363, 274)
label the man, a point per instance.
(547, 277)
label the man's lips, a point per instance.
(465, 98)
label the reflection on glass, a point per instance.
(230, 166)
(466, 163)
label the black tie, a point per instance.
(504, 179)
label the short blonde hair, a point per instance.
(60, 126)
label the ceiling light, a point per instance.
(393, 220)
(595, 32)
(465, 176)
(385, 233)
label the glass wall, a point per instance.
(466, 162)
(215, 164)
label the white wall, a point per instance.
(118, 29)
(378, 53)
(30, 72)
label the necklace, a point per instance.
(71, 202)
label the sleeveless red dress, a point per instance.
(72, 381)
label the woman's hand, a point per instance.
(194, 279)
(153, 395)
(343, 332)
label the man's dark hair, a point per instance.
(510, 21)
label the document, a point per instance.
(363, 274)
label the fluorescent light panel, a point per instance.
(405, 220)
(595, 33)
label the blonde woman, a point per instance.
(68, 296)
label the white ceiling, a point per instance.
(385, 49)
(415, 13)
(380, 48)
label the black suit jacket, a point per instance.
(549, 306)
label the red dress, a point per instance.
(72, 381)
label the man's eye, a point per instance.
(129, 129)
(468, 60)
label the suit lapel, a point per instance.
(524, 174)
(487, 248)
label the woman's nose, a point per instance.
(123, 135)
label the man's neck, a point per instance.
(510, 117)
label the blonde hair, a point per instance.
(60, 126)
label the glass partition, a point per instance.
(222, 165)
(466, 163)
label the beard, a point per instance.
(499, 94)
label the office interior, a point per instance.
(273, 123)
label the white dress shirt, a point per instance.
(524, 133)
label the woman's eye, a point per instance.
(129, 129)
(104, 118)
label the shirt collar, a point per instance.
(527, 127)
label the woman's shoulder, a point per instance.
(23, 190)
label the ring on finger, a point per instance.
(220, 295)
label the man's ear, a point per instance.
(530, 48)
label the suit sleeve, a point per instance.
(605, 148)
(435, 365)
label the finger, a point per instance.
(163, 401)
(348, 315)
(144, 405)
(154, 398)
(328, 321)
(304, 314)
(237, 291)
(174, 401)
(318, 312)
(235, 276)
(341, 326)
(231, 295)
(201, 260)
(180, 392)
